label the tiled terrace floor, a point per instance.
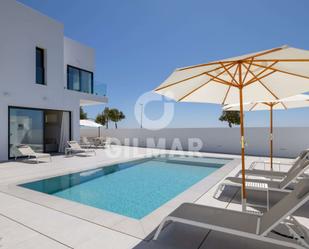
(32, 221)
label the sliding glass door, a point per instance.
(57, 130)
(42, 130)
(26, 127)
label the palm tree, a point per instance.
(115, 116)
(100, 119)
(106, 114)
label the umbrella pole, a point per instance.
(242, 141)
(271, 136)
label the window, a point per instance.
(79, 80)
(40, 68)
(26, 127)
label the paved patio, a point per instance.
(32, 220)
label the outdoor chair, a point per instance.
(26, 151)
(249, 225)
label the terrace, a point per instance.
(35, 220)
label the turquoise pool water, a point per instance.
(133, 189)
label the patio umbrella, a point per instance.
(267, 75)
(91, 124)
(297, 101)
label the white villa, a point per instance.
(44, 79)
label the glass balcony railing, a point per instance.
(97, 88)
(100, 89)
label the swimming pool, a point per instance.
(133, 189)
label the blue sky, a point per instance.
(139, 43)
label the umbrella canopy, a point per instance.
(266, 75)
(89, 123)
(296, 101)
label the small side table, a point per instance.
(259, 187)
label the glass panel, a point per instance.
(40, 74)
(86, 82)
(39, 57)
(57, 130)
(26, 127)
(73, 79)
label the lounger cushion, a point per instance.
(219, 217)
(302, 190)
(237, 181)
(284, 208)
(264, 173)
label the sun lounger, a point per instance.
(271, 184)
(74, 148)
(85, 143)
(277, 174)
(249, 225)
(27, 151)
(103, 141)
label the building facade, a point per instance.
(44, 79)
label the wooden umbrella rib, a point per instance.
(227, 108)
(285, 107)
(225, 83)
(205, 64)
(214, 78)
(231, 61)
(180, 81)
(195, 89)
(219, 79)
(254, 79)
(228, 90)
(189, 78)
(226, 94)
(263, 85)
(247, 58)
(218, 62)
(229, 73)
(264, 53)
(244, 80)
(280, 60)
(260, 78)
(253, 106)
(282, 71)
(260, 73)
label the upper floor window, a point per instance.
(40, 67)
(79, 79)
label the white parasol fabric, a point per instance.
(89, 123)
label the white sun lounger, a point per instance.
(85, 143)
(249, 225)
(26, 151)
(272, 173)
(74, 148)
(271, 184)
(277, 174)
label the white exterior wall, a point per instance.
(288, 141)
(21, 31)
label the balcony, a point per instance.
(99, 89)
(89, 94)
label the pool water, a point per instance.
(133, 189)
